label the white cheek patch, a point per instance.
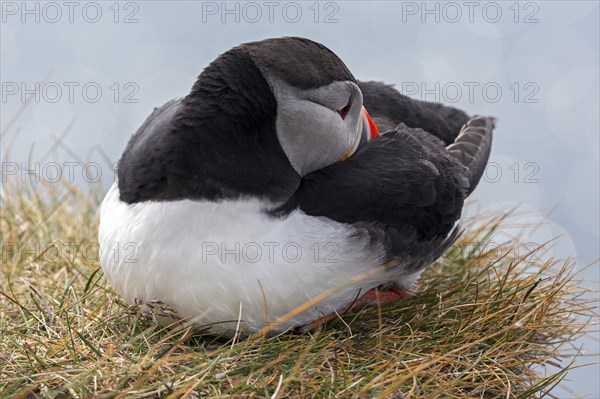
(311, 135)
(310, 132)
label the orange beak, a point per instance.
(373, 131)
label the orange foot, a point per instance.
(373, 297)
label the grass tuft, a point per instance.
(487, 322)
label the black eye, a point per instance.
(344, 111)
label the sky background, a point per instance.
(533, 65)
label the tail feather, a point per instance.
(472, 147)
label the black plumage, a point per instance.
(302, 63)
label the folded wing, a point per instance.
(406, 184)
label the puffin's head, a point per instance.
(319, 105)
(259, 118)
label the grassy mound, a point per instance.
(486, 323)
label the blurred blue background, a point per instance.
(534, 65)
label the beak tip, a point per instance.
(373, 130)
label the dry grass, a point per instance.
(485, 324)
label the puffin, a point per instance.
(282, 192)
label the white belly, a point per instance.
(204, 259)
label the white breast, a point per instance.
(203, 259)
